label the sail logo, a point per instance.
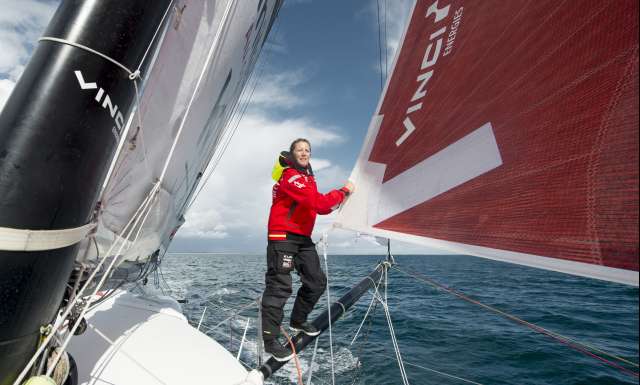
(104, 100)
(453, 31)
(430, 58)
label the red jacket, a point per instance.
(296, 201)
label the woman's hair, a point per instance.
(293, 144)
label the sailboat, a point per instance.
(506, 130)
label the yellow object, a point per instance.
(40, 380)
(279, 167)
(277, 171)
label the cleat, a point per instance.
(305, 327)
(279, 352)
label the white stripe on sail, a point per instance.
(605, 273)
(460, 162)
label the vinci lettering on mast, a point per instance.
(56, 142)
(509, 130)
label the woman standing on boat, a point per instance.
(296, 201)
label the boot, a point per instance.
(279, 352)
(306, 327)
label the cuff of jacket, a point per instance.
(345, 191)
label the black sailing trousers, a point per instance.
(296, 252)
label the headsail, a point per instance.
(509, 130)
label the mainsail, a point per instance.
(206, 57)
(509, 130)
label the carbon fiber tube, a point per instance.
(58, 132)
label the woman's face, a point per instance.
(302, 153)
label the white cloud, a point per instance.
(279, 91)
(397, 19)
(396, 13)
(207, 225)
(6, 86)
(235, 201)
(22, 22)
(321, 164)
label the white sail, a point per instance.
(203, 62)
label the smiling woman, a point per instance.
(296, 202)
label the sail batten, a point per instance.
(555, 184)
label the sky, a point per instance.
(321, 74)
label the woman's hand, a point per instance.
(350, 186)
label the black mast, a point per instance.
(58, 134)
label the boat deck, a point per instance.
(132, 339)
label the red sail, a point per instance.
(510, 127)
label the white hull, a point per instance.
(139, 340)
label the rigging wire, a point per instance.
(436, 371)
(123, 236)
(392, 331)
(379, 45)
(374, 304)
(368, 331)
(578, 346)
(366, 314)
(311, 362)
(386, 54)
(238, 311)
(104, 277)
(213, 50)
(152, 194)
(143, 209)
(326, 268)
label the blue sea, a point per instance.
(442, 339)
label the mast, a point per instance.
(58, 133)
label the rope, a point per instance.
(145, 206)
(70, 306)
(240, 309)
(311, 362)
(155, 34)
(373, 303)
(438, 372)
(134, 75)
(93, 51)
(386, 55)
(556, 336)
(394, 341)
(212, 50)
(373, 298)
(326, 268)
(60, 320)
(379, 45)
(85, 308)
(295, 355)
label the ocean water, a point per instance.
(439, 335)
